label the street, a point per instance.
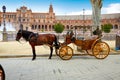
(78, 68)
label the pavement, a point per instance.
(21, 67)
(15, 49)
(14, 55)
(78, 68)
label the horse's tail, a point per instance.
(56, 43)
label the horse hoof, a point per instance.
(49, 58)
(33, 59)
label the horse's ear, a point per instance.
(94, 32)
(20, 31)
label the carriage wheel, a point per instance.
(101, 50)
(65, 52)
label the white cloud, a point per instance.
(112, 8)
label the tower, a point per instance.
(50, 9)
(51, 14)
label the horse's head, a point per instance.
(98, 32)
(69, 34)
(19, 35)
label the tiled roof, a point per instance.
(80, 17)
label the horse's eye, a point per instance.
(18, 33)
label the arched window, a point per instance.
(32, 27)
(45, 27)
(50, 27)
(42, 26)
(39, 27)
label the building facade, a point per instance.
(35, 21)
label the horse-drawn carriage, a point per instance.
(98, 48)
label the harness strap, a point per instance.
(33, 34)
(30, 36)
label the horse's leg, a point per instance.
(51, 51)
(34, 54)
(56, 51)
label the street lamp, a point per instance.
(83, 21)
(4, 29)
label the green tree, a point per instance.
(106, 28)
(58, 28)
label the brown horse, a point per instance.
(37, 40)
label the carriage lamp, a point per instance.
(4, 29)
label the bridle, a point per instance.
(21, 31)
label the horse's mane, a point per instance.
(26, 34)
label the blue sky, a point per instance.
(61, 7)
